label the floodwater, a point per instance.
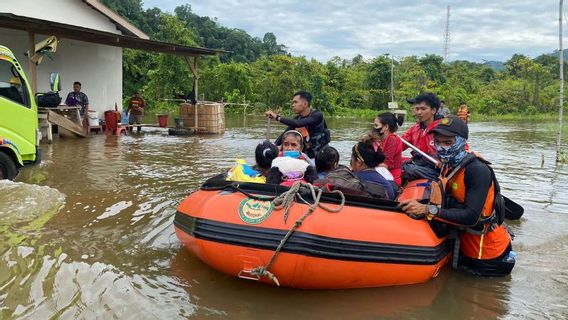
(88, 234)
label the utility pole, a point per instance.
(392, 78)
(561, 110)
(447, 36)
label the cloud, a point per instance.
(479, 30)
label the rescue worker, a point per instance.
(463, 113)
(425, 107)
(473, 204)
(309, 122)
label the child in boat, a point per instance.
(381, 169)
(334, 176)
(264, 153)
(364, 159)
(292, 164)
(327, 159)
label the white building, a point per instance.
(91, 38)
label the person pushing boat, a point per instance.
(473, 204)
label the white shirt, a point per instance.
(385, 173)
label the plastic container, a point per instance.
(124, 117)
(163, 120)
(111, 119)
(93, 117)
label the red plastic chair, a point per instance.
(112, 125)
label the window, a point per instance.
(12, 85)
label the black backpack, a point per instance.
(48, 99)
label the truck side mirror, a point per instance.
(55, 82)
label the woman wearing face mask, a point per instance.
(385, 127)
(292, 164)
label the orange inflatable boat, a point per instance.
(368, 243)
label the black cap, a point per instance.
(428, 97)
(452, 126)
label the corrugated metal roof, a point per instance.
(122, 24)
(61, 30)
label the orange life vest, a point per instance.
(493, 239)
(462, 114)
(136, 106)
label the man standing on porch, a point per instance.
(78, 98)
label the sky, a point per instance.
(479, 30)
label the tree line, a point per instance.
(263, 73)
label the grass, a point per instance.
(552, 126)
(563, 157)
(338, 112)
(341, 112)
(517, 117)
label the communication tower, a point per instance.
(447, 36)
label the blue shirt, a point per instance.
(371, 175)
(77, 99)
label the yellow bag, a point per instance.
(241, 171)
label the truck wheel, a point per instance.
(8, 168)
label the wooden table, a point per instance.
(70, 112)
(66, 117)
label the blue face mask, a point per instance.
(292, 154)
(453, 154)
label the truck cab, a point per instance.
(19, 134)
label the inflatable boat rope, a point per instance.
(285, 200)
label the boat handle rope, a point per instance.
(285, 200)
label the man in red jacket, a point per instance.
(424, 107)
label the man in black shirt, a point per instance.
(309, 122)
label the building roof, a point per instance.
(122, 24)
(61, 30)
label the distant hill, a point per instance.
(555, 53)
(496, 65)
(209, 33)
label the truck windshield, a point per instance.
(12, 86)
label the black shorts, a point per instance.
(497, 267)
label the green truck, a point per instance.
(19, 133)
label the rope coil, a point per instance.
(285, 201)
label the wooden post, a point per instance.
(32, 66)
(196, 77)
(195, 70)
(196, 88)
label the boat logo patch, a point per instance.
(253, 211)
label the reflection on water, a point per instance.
(88, 234)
